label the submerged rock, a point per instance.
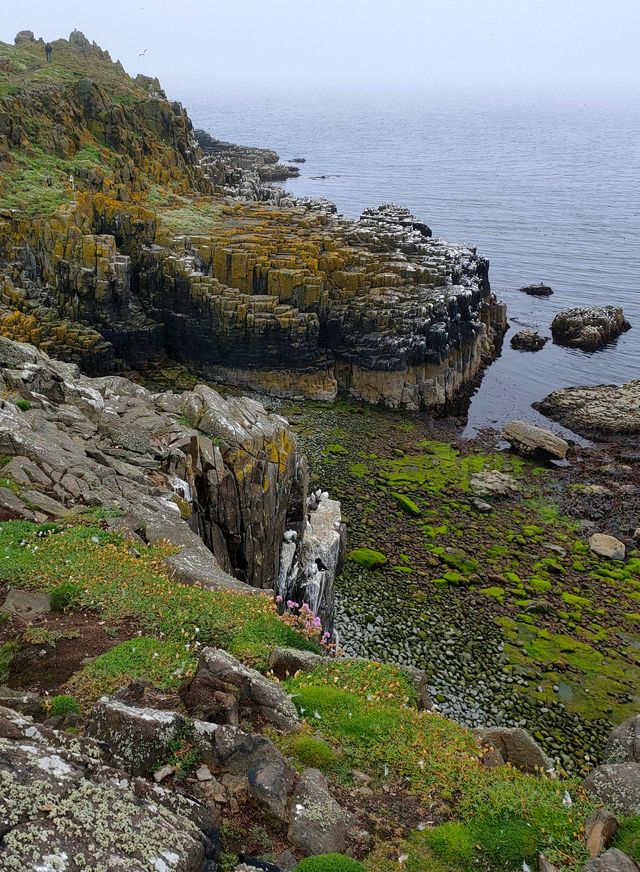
(609, 410)
(588, 328)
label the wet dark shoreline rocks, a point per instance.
(588, 328)
(528, 340)
(539, 290)
(609, 411)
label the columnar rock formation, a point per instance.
(138, 253)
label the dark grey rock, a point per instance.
(317, 823)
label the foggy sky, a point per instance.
(440, 46)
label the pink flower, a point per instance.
(278, 599)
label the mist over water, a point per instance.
(548, 191)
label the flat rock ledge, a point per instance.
(604, 410)
(588, 328)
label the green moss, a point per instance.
(65, 596)
(406, 504)
(310, 752)
(330, 863)
(496, 592)
(539, 584)
(8, 651)
(23, 405)
(62, 705)
(335, 448)
(367, 557)
(575, 600)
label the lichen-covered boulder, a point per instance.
(61, 808)
(617, 785)
(317, 824)
(624, 742)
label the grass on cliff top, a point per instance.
(25, 66)
(110, 578)
(498, 817)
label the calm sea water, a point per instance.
(548, 191)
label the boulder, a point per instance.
(607, 410)
(624, 742)
(588, 328)
(612, 860)
(317, 824)
(539, 290)
(517, 747)
(60, 801)
(607, 546)
(529, 439)
(27, 604)
(492, 483)
(254, 692)
(599, 830)
(137, 738)
(617, 785)
(528, 340)
(285, 662)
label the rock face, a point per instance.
(609, 410)
(223, 490)
(59, 797)
(528, 340)
(588, 328)
(268, 293)
(518, 747)
(529, 439)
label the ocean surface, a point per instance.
(548, 190)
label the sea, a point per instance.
(546, 187)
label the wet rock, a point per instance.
(252, 689)
(610, 410)
(588, 328)
(318, 824)
(607, 546)
(539, 290)
(612, 860)
(529, 439)
(528, 340)
(617, 785)
(516, 746)
(624, 743)
(599, 830)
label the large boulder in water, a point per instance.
(590, 327)
(528, 340)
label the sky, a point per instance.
(442, 46)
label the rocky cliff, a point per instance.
(121, 242)
(221, 480)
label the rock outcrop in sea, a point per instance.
(588, 328)
(136, 250)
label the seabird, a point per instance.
(143, 53)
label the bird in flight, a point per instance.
(143, 53)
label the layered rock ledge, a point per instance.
(609, 410)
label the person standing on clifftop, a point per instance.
(48, 50)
